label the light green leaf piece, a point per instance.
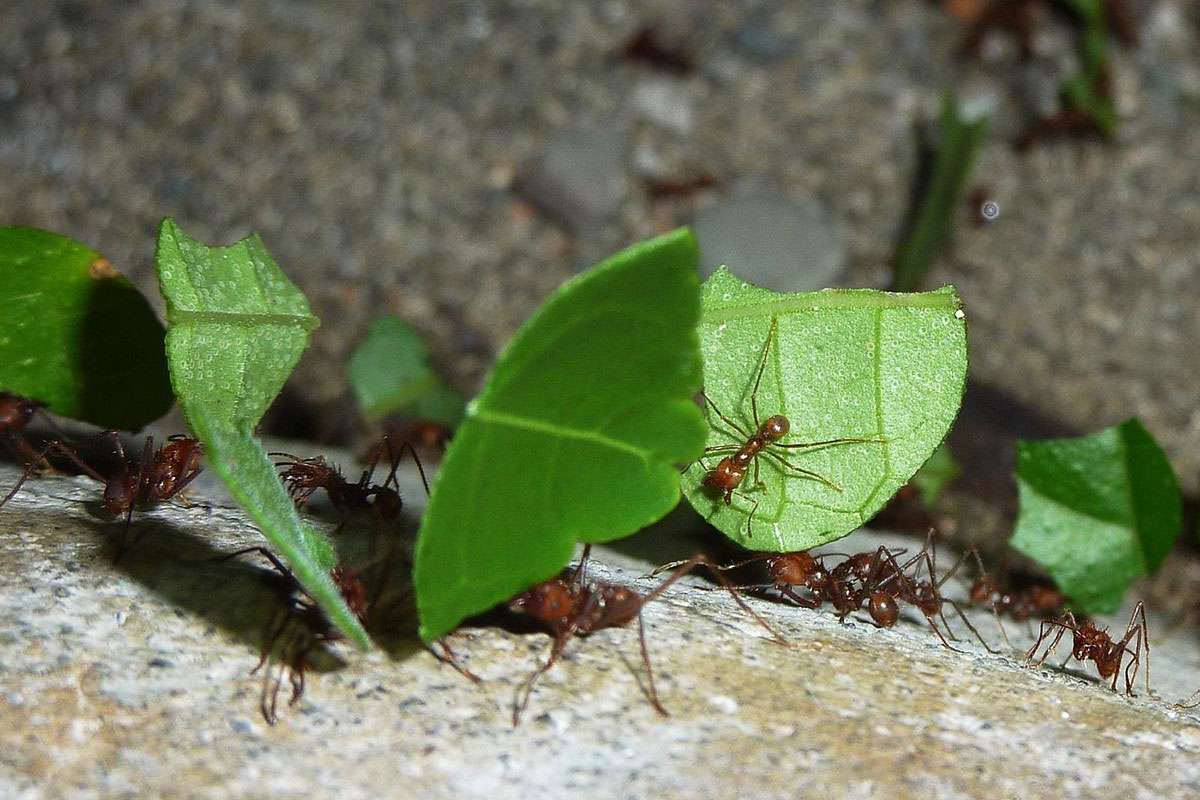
(1098, 511)
(390, 373)
(887, 369)
(576, 437)
(76, 335)
(235, 328)
(934, 474)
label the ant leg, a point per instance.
(803, 602)
(762, 365)
(832, 442)
(448, 657)
(800, 472)
(1067, 622)
(264, 552)
(579, 579)
(652, 691)
(1192, 701)
(971, 627)
(701, 560)
(525, 690)
(710, 404)
(1138, 631)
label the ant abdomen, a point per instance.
(883, 609)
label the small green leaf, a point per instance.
(934, 474)
(1098, 511)
(959, 139)
(842, 364)
(235, 328)
(389, 372)
(77, 335)
(576, 436)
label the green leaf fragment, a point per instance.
(934, 475)
(235, 328)
(841, 364)
(577, 435)
(77, 335)
(1098, 511)
(390, 372)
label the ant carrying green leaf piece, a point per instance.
(831, 400)
(1097, 511)
(576, 436)
(236, 326)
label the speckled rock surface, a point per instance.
(131, 680)
(376, 145)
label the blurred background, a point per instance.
(453, 162)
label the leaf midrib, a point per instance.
(562, 431)
(839, 300)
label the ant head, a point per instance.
(776, 427)
(549, 602)
(1045, 598)
(883, 609)
(118, 495)
(927, 598)
(793, 569)
(16, 411)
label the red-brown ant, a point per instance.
(569, 606)
(730, 472)
(303, 476)
(153, 478)
(1037, 601)
(16, 413)
(1094, 644)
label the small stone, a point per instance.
(771, 241)
(763, 38)
(579, 179)
(666, 103)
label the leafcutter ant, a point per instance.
(571, 605)
(1090, 643)
(157, 476)
(765, 441)
(16, 413)
(303, 476)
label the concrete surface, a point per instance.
(131, 680)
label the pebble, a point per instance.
(773, 242)
(578, 179)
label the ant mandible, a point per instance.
(569, 606)
(153, 478)
(730, 472)
(1090, 643)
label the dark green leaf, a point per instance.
(841, 364)
(390, 373)
(959, 139)
(76, 335)
(235, 328)
(576, 436)
(1098, 511)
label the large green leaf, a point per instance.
(576, 436)
(390, 372)
(235, 328)
(76, 335)
(1098, 511)
(841, 364)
